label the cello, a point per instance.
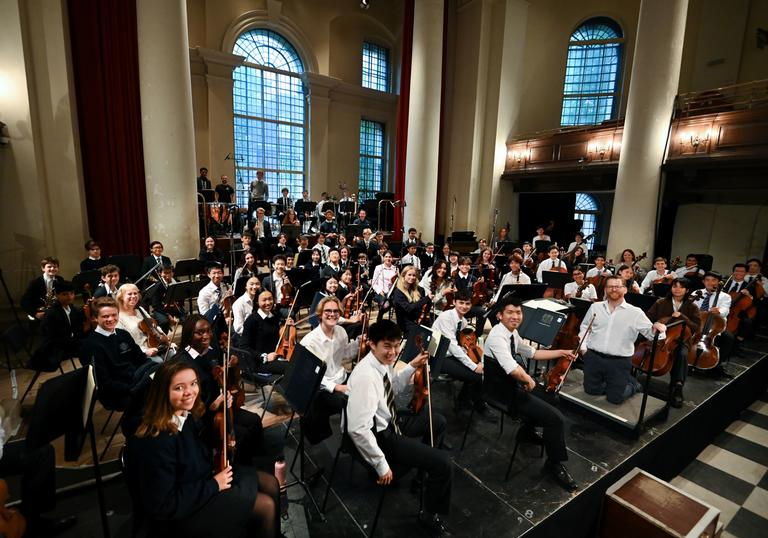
(703, 353)
(557, 374)
(677, 333)
(743, 304)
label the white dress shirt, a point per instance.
(382, 278)
(277, 284)
(650, 277)
(334, 352)
(595, 272)
(548, 264)
(588, 294)
(207, 297)
(448, 324)
(367, 406)
(241, 309)
(409, 259)
(680, 272)
(614, 333)
(736, 286)
(498, 344)
(509, 278)
(723, 302)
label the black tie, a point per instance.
(390, 395)
(515, 355)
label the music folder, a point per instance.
(542, 320)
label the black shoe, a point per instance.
(434, 526)
(561, 476)
(485, 412)
(528, 434)
(677, 397)
(48, 526)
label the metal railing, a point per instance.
(725, 99)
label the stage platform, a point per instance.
(531, 504)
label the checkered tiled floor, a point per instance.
(732, 474)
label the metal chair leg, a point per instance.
(469, 423)
(511, 460)
(112, 437)
(29, 387)
(330, 479)
(290, 422)
(378, 511)
(104, 427)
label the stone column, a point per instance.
(652, 90)
(424, 118)
(167, 125)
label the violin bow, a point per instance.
(578, 346)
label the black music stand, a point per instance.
(542, 246)
(556, 279)
(355, 230)
(90, 278)
(291, 231)
(129, 264)
(184, 291)
(643, 302)
(305, 257)
(524, 292)
(189, 268)
(209, 195)
(661, 290)
(506, 247)
(266, 206)
(541, 325)
(299, 387)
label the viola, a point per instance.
(228, 377)
(286, 344)
(148, 326)
(677, 333)
(598, 281)
(420, 380)
(351, 303)
(703, 353)
(557, 374)
(287, 293)
(468, 342)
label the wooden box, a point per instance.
(642, 506)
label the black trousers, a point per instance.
(536, 411)
(316, 423)
(406, 451)
(679, 371)
(609, 375)
(38, 475)
(473, 383)
(249, 435)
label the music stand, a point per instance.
(291, 231)
(189, 268)
(355, 230)
(91, 278)
(643, 302)
(506, 247)
(524, 292)
(542, 320)
(556, 279)
(542, 246)
(183, 291)
(148, 294)
(209, 195)
(129, 264)
(661, 290)
(305, 257)
(299, 386)
(240, 285)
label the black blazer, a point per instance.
(406, 312)
(172, 473)
(115, 360)
(34, 296)
(101, 291)
(149, 263)
(260, 335)
(60, 337)
(210, 257)
(267, 230)
(89, 264)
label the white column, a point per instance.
(652, 90)
(167, 125)
(424, 118)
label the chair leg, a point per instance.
(469, 424)
(511, 460)
(104, 427)
(111, 437)
(31, 383)
(378, 510)
(330, 479)
(290, 422)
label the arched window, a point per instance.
(591, 91)
(586, 210)
(269, 114)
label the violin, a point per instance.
(557, 374)
(598, 281)
(677, 333)
(468, 342)
(287, 292)
(570, 254)
(229, 380)
(351, 303)
(148, 326)
(703, 353)
(666, 279)
(580, 289)
(420, 380)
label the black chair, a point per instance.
(16, 339)
(500, 393)
(139, 519)
(347, 446)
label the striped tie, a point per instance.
(390, 395)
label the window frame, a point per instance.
(594, 212)
(382, 158)
(616, 94)
(388, 64)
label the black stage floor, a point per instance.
(531, 503)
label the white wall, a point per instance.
(729, 233)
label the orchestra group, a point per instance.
(362, 296)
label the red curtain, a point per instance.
(105, 63)
(440, 169)
(401, 146)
